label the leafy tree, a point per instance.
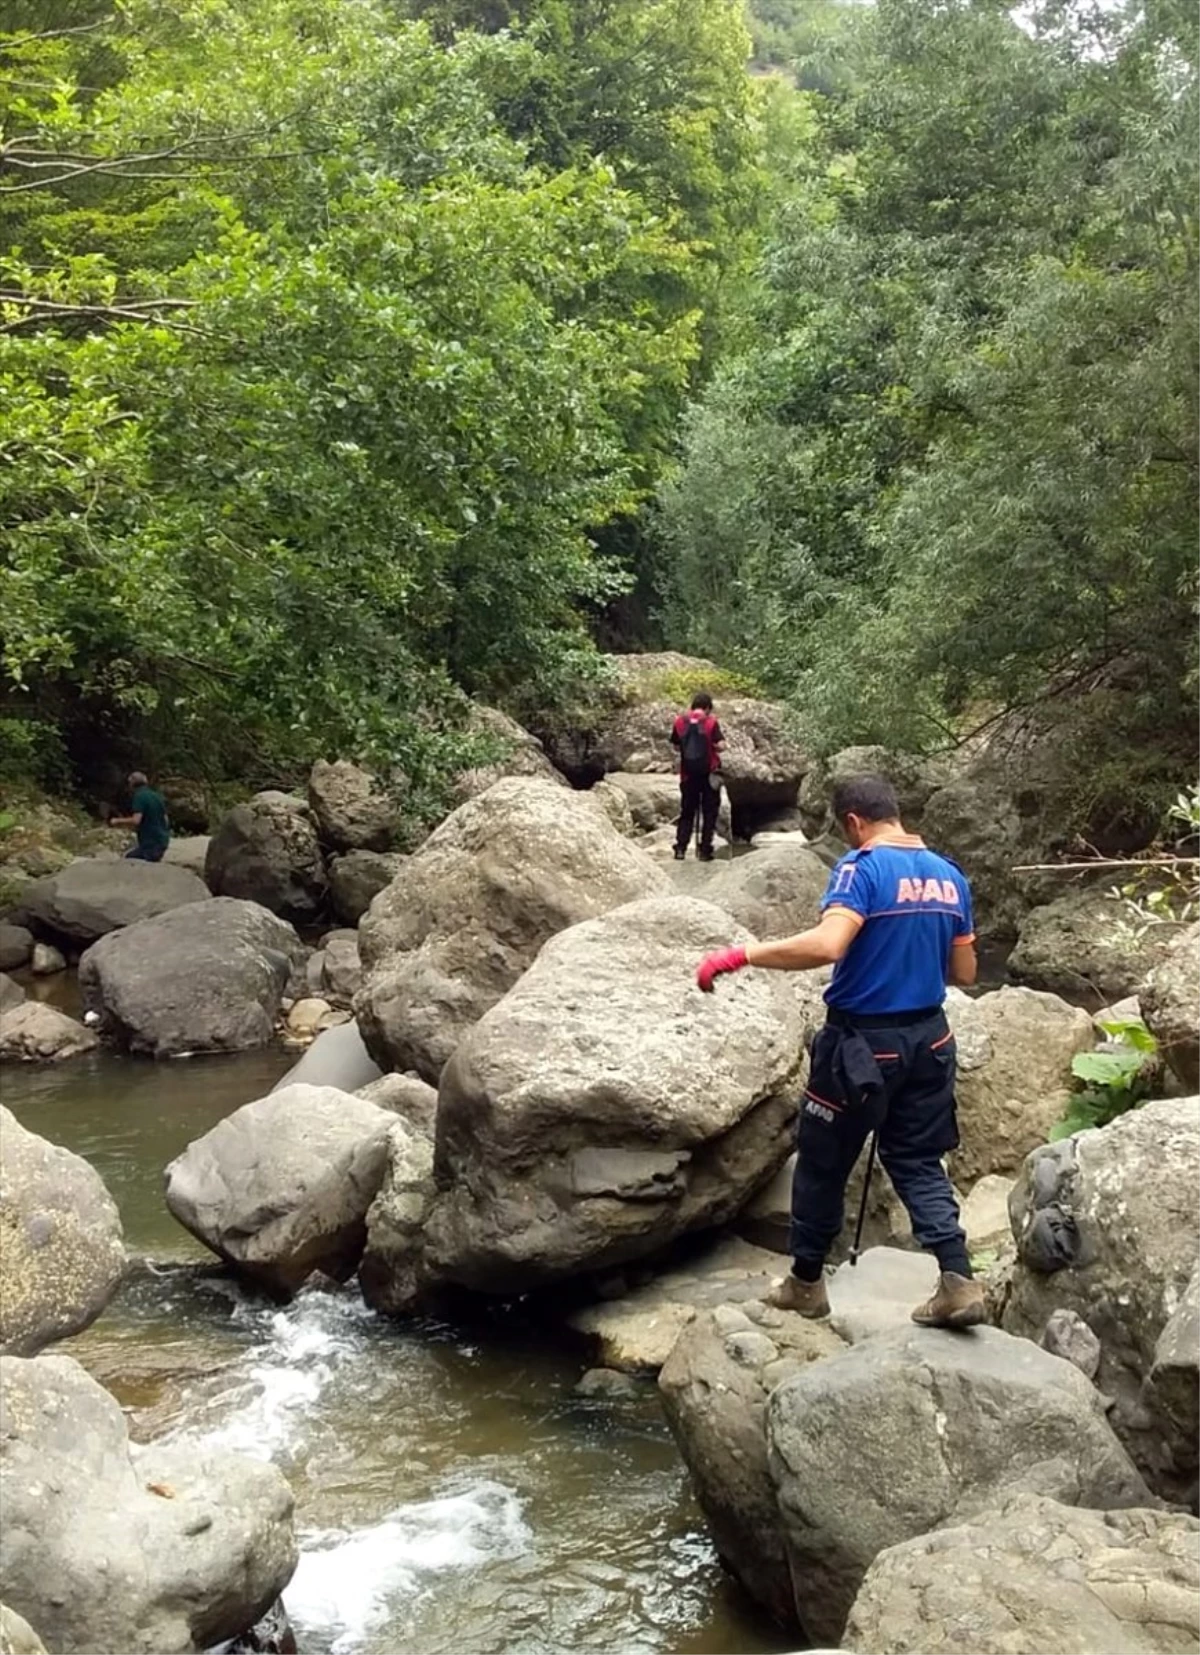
(313, 382)
(957, 465)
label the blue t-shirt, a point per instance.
(914, 905)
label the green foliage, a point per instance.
(680, 686)
(1168, 892)
(1116, 1078)
(31, 752)
(314, 384)
(954, 461)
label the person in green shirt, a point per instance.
(148, 815)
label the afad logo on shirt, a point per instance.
(928, 890)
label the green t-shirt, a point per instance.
(154, 829)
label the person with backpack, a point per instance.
(699, 739)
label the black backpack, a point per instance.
(695, 749)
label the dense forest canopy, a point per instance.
(357, 358)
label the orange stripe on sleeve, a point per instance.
(836, 908)
(962, 942)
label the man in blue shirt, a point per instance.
(896, 926)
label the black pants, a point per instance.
(914, 1121)
(696, 793)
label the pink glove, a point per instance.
(716, 965)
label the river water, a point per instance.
(453, 1493)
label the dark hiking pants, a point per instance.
(912, 1113)
(696, 793)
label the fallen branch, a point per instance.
(1133, 862)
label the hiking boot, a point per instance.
(679, 854)
(706, 855)
(806, 1298)
(958, 1302)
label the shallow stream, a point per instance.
(453, 1492)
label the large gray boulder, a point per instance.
(1015, 1048)
(60, 1237)
(16, 946)
(468, 912)
(35, 1033)
(915, 779)
(352, 808)
(357, 878)
(517, 753)
(762, 764)
(975, 819)
(714, 1387)
(1107, 1226)
(338, 1058)
(281, 1187)
(208, 977)
(773, 892)
(90, 898)
(915, 1428)
(604, 1108)
(109, 1546)
(190, 852)
(652, 796)
(12, 994)
(1033, 1575)
(408, 1096)
(266, 851)
(1170, 1002)
(1087, 942)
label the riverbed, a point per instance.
(453, 1492)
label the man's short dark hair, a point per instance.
(871, 797)
(702, 702)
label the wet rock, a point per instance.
(47, 960)
(92, 897)
(110, 1546)
(1014, 1074)
(272, 1635)
(571, 1132)
(918, 1428)
(266, 851)
(467, 914)
(1032, 1575)
(1086, 941)
(16, 946)
(636, 1329)
(341, 967)
(1107, 1226)
(357, 878)
(36, 1033)
(353, 810)
(11, 994)
(408, 1096)
(190, 852)
(391, 1274)
(607, 1383)
(17, 1637)
(208, 977)
(1066, 1334)
(773, 892)
(281, 1187)
(1170, 1001)
(61, 1240)
(715, 1401)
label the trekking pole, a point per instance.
(862, 1206)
